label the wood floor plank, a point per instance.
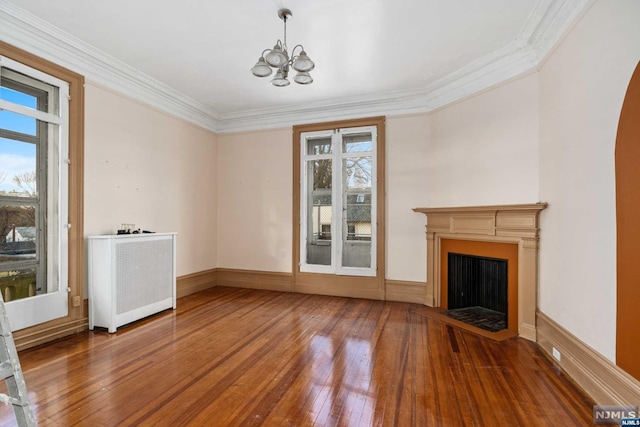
(241, 357)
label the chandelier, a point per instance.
(278, 58)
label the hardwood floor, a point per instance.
(243, 357)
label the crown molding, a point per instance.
(488, 71)
(31, 33)
(549, 22)
(546, 25)
(399, 102)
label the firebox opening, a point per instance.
(477, 291)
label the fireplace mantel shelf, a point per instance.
(517, 224)
(494, 208)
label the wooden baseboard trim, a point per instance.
(27, 338)
(374, 294)
(606, 383)
(196, 282)
(396, 290)
(528, 332)
(404, 291)
(253, 279)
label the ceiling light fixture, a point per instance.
(278, 58)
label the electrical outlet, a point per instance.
(556, 353)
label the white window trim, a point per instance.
(42, 308)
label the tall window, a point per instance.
(338, 201)
(33, 190)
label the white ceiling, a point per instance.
(369, 54)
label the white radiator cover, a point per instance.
(130, 277)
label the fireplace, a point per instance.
(483, 264)
(503, 232)
(475, 281)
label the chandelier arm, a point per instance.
(294, 50)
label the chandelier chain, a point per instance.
(285, 32)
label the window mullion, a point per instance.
(30, 112)
(336, 220)
(18, 201)
(17, 136)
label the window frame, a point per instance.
(339, 194)
(76, 319)
(330, 283)
(51, 202)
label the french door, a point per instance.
(338, 201)
(34, 117)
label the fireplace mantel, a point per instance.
(517, 224)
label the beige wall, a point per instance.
(255, 169)
(254, 200)
(582, 86)
(153, 170)
(484, 151)
(406, 156)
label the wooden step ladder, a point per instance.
(11, 373)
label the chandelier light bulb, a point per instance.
(280, 79)
(261, 69)
(303, 78)
(277, 57)
(303, 62)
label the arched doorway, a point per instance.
(627, 159)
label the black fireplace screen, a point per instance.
(477, 281)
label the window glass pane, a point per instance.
(357, 172)
(18, 97)
(356, 239)
(18, 284)
(18, 237)
(320, 170)
(317, 146)
(17, 123)
(319, 205)
(17, 168)
(28, 92)
(357, 142)
(356, 242)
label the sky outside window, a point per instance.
(16, 157)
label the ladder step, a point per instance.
(11, 373)
(11, 400)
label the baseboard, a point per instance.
(374, 294)
(396, 290)
(31, 337)
(403, 291)
(196, 282)
(253, 279)
(600, 378)
(528, 332)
